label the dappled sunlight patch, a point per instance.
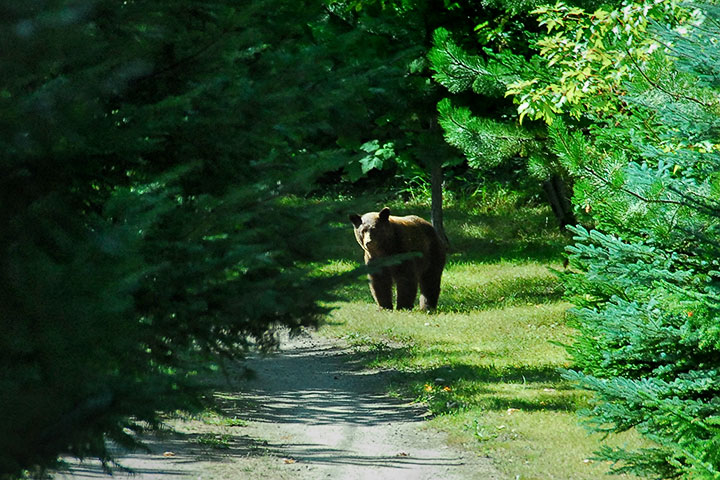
(478, 230)
(526, 234)
(469, 287)
(456, 388)
(335, 267)
(498, 294)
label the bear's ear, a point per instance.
(384, 214)
(355, 219)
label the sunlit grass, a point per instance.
(536, 444)
(487, 362)
(498, 337)
(470, 286)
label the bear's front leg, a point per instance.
(407, 286)
(381, 288)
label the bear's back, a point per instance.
(416, 234)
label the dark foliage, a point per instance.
(151, 150)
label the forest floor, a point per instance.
(310, 412)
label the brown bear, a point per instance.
(381, 235)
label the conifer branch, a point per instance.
(506, 138)
(699, 201)
(605, 181)
(631, 193)
(457, 62)
(674, 96)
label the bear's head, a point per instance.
(374, 232)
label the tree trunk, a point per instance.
(436, 209)
(559, 198)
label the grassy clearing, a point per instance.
(486, 362)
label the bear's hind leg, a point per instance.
(430, 288)
(381, 289)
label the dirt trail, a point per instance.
(311, 413)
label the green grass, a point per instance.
(486, 363)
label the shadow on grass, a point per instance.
(493, 250)
(526, 235)
(525, 388)
(458, 386)
(505, 292)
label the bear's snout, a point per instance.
(373, 247)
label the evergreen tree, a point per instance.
(410, 137)
(647, 289)
(488, 135)
(488, 129)
(150, 155)
(406, 138)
